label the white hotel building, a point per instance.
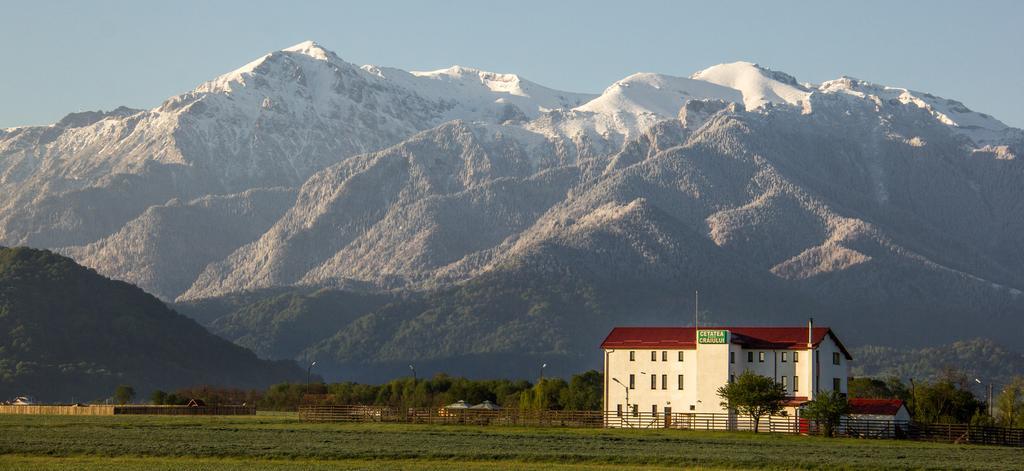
(660, 370)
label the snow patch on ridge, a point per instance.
(980, 127)
(757, 84)
(662, 95)
(639, 101)
(478, 95)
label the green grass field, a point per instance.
(274, 442)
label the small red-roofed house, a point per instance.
(878, 409)
(876, 417)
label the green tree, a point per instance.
(827, 410)
(872, 388)
(158, 397)
(584, 391)
(946, 400)
(1010, 404)
(753, 395)
(124, 394)
(174, 400)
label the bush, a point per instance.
(827, 410)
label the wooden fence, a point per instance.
(858, 428)
(73, 409)
(964, 433)
(551, 418)
(76, 409)
(185, 410)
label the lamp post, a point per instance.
(413, 368)
(308, 371)
(989, 401)
(545, 365)
(627, 391)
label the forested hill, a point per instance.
(975, 358)
(68, 333)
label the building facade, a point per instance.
(651, 371)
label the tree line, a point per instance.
(947, 399)
(581, 392)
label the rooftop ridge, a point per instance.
(766, 337)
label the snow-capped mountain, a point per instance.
(299, 169)
(272, 122)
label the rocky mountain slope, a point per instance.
(738, 208)
(445, 196)
(70, 333)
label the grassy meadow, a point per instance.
(273, 442)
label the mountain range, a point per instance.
(309, 208)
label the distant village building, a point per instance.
(656, 371)
(23, 401)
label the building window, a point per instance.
(796, 383)
(732, 357)
(693, 407)
(618, 410)
(796, 357)
(654, 410)
(680, 355)
(632, 381)
(750, 357)
(835, 384)
(632, 355)
(664, 381)
(785, 356)
(664, 355)
(835, 358)
(785, 384)
(654, 381)
(732, 378)
(636, 410)
(760, 357)
(680, 382)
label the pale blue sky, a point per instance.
(60, 57)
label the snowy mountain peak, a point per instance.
(311, 49)
(496, 82)
(656, 94)
(759, 85)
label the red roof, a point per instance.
(768, 338)
(875, 406)
(795, 401)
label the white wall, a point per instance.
(619, 366)
(901, 415)
(828, 370)
(713, 361)
(773, 367)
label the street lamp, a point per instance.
(989, 384)
(308, 371)
(413, 368)
(545, 365)
(627, 391)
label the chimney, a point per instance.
(810, 332)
